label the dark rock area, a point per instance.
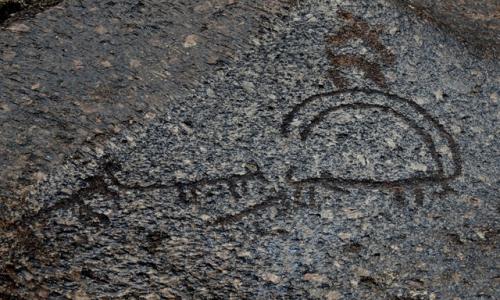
(12, 9)
(476, 22)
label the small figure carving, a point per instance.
(357, 29)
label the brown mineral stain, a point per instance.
(106, 64)
(80, 295)
(18, 28)
(134, 63)
(101, 29)
(190, 41)
(333, 295)
(77, 64)
(270, 277)
(315, 277)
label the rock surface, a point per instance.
(477, 22)
(83, 71)
(10, 9)
(344, 150)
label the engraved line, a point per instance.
(286, 127)
(228, 219)
(357, 105)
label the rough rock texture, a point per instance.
(350, 152)
(477, 22)
(11, 9)
(85, 70)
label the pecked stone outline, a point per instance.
(107, 183)
(187, 191)
(438, 176)
(357, 29)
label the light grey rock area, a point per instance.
(349, 151)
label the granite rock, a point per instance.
(349, 152)
(476, 22)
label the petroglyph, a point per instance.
(316, 109)
(230, 198)
(357, 29)
(301, 122)
(197, 192)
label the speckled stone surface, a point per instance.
(476, 22)
(350, 153)
(83, 71)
